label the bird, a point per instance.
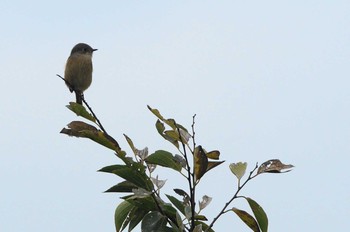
(78, 70)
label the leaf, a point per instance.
(238, 169)
(170, 135)
(169, 211)
(136, 216)
(204, 226)
(200, 162)
(247, 219)
(205, 202)
(131, 174)
(80, 110)
(131, 144)
(274, 166)
(84, 130)
(173, 135)
(213, 155)
(179, 222)
(165, 159)
(122, 187)
(177, 203)
(259, 214)
(158, 183)
(188, 212)
(185, 136)
(121, 213)
(198, 228)
(200, 218)
(160, 127)
(153, 221)
(212, 164)
(181, 193)
(145, 202)
(156, 113)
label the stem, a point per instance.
(190, 178)
(234, 197)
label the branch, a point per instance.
(190, 178)
(234, 197)
(71, 87)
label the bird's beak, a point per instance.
(94, 49)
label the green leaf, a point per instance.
(169, 211)
(179, 222)
(247, 219)
(80, 111)
(131, 144)
(156, 113)
(122, 187)
(259, 214)
(201, 218)
(154, 221)
(204, 226)
(173, 135)
(131, 174)
(238, 169)
(165, 159)
(136, 216)
(160, 127)
(121, 213)
(198, 228)
(146, 202)
(177, 203)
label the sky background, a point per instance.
(266, 79)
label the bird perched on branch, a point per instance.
(78, 71)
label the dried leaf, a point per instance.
(157, 182)
(212, 164)
(274, 166)
(84, 130)
(200, 162)
(205, 202)
(213, 155)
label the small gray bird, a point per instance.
(78, 71)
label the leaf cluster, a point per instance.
(142, 202)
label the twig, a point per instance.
(93, 114)
(234, 197)
(193, 132)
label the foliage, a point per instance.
(142, 201)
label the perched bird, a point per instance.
(78, 71)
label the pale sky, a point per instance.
(266, 79)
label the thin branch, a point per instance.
(193, 131)
(234, 197)
(71, 87)
(93, 114)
